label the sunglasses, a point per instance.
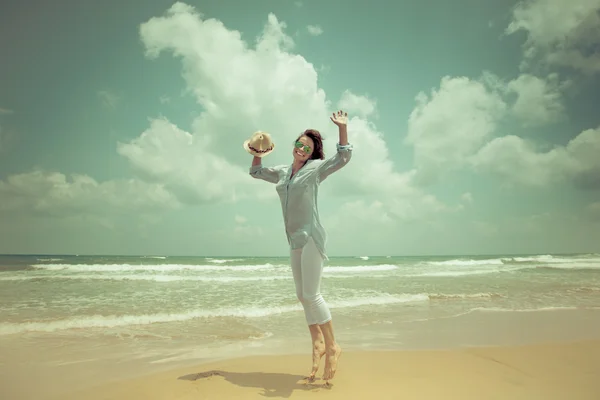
(303, 146)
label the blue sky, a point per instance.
(475, 125)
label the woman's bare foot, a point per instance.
(331, 361)
(317, 353)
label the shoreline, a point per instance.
(75, 367)
(550, 370)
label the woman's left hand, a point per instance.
(340, 118)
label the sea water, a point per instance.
(167, 309)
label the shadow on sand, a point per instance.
(273, 384)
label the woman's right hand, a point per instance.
(256, 161)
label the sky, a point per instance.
(475, 125)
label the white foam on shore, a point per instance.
(552, 259)
(443, 296)
(150, 267)
(361, 268)
(464, 263)
(223, 261)
(110, 321)
(539, 259)
(458, 273)
(153, 278)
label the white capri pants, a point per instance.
(307, 269)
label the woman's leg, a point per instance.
(332, 349)
(296, 265)
(315, 306)
(311, 272)
(318, 348)
(318, 341)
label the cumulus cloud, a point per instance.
(539, 101)
(356, 104)
(451, 124)
(243, 88)
(457, 127)
(240, 88)
(559, 33)
(184, 164)
(52, 194)
(314, 30)
(518, 160)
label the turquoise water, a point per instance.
(70, 294)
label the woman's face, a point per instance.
(303, 149)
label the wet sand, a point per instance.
(567, 370)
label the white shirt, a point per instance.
(298, 195)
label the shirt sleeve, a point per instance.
(339, 160)
(269, 174)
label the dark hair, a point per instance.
(315, 135)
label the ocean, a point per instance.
(158, 310)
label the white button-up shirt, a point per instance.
(298, 195)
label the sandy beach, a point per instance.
(545, 371)
(194, 328)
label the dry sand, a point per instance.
(565, 371)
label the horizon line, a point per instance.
(287, 256)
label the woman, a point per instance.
(297, 186)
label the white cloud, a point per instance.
(457, 128)
(243, 89)
(240, 89)
(314, 30)
(355, 104)
(452, 124)
(185, 164)
(242, 231)
(370, 167)
(109, 99)
(517, 160)
(240, 219)
(538, 101)
(52, 194)
(562, 33)
(360, 212)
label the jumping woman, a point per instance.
(298, 185)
